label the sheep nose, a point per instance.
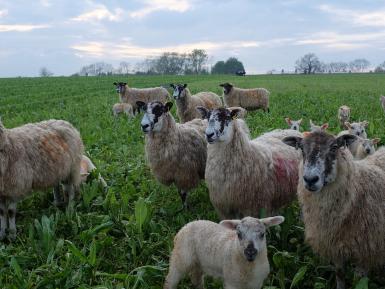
(209, 135)
(367, 151)
(310, 180)
(144, 126)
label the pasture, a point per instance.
(122, 237)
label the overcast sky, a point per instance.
(65, 35)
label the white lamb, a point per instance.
(343, 115)
(355, 128)
(361, 147)
(293, 124)
(86, 168)
(120, 107)
(234, 250)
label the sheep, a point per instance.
(186, 103)
(355, 128)
(343, 115)
(242, 175)
(382, 101)
(36, 156)
(122, 107)
(86, 168)
(233, 250)
(250, 99)
(343, 201)
(361, 148)
(314, 127)
(176, 153)
(132, 95)
(293, 124)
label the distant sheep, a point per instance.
(36, 156)
(122, 107)
(234, 250)
(382, 102)
(86, 168)
(132, 95)
(249, 99)
(176, 153)
(355, 128)
(186, 103)
(361, 148)
(343, 202)
(343, 115)
(244, 176)
(293, 124)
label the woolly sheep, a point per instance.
(343, 202)
(86, 168)
(361, 148)
(355, 128)
(132, 95)
(122, 107)
(186, 103)
(36, 156)
(250, 99)
(382, 102)
(314, 127)
(234, 250)
(243, 175)
(293, 124)
(343, 115)
(176, 153)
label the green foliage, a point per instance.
(122, 237)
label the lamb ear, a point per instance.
(365, 123)
(376, 140)
(293, 141)
(205, 113)
(235, 112)
(168, 106)
(324, 126)
(345, 140)
(230, 224)
(141, 105)
(311, 124)
(288, 120)
(299, 121)
(272, 221)
(347, 124)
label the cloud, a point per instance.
(357, 17)
(100, 13)
(129, 50)
(20, 27)
(3, 13)
(45, 3)
(152, 6)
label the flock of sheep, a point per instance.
(338, 180)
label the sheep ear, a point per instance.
(185, 85)
(324, 126)
(288, 120)
(293, 141)
(141, 105)
(376, 140)
(272, 221)
(230, 224)
(347, 124)
(115, 83)
(345, 140)
(311, 123)
(172, 85)
(205, 113)
(365, 123)
(222, 84)
(299, 121)
(168, 106)
(235, 112)
(124, 83)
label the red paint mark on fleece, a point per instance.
(286, 170)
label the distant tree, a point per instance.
(380, 68)
(307, 64)
(359, 65)
(338, 66)
(197, 60)
(218, 68)
(124, 67)
(44, 72)
(232, 65)
(96, 69)
(170, 63)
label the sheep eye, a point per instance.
(239, 235)
(262, 235)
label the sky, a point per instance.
(66, 35)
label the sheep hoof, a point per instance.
(2, 235)
(11, 235)
(59, 204)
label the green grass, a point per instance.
(122, 238)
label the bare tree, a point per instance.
(359, 65)
(124, 67)
(309, 63)
(96, 69)
(198, 58)
(380, 68)
(44, 72)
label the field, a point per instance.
(122, 237)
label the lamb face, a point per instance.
(369, 145)
(179, 90)
(152, 120)
(357, 128)
(251, 234)
(120, 87)
(319, 151)
(226, 87)
(293, 124)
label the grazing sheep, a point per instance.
(86, 168)
(242, 175)
(343, 115)
(293, 124)
(249, 99)
(176, 153)
(355, 128)
(186, 103)
(132, 95)
(314, 127)
(234, 250)
(343, 201)
(361, 148)
(382, 101)
(36, 156)
(122, 107)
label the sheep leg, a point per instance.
(69, 193)
(3, 218)
(340, 275)
(12, 220)
(196, 276)
(57, 196)
(183, 197)
(173, 277)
